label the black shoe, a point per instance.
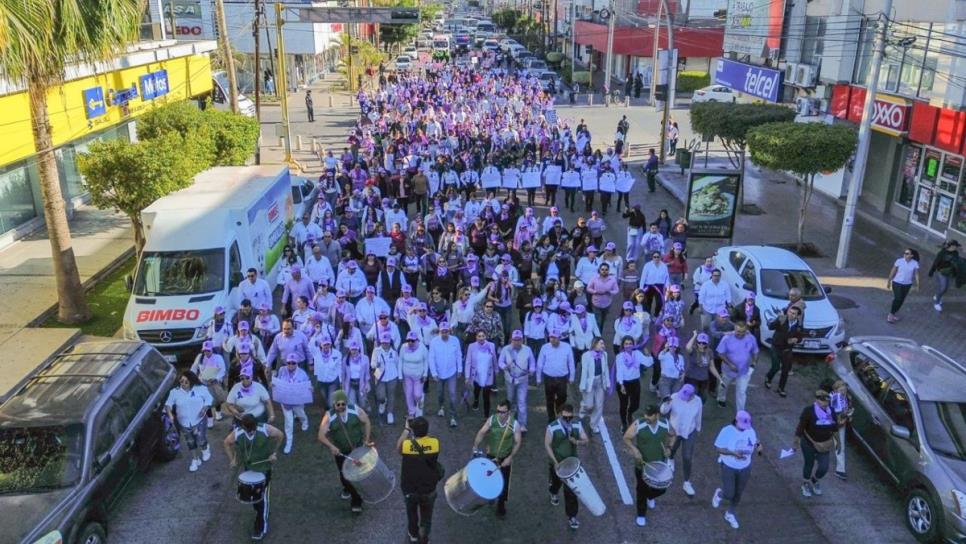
(767, 384)
(500, 510)
(722, 404)
(841, 475)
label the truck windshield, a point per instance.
(440, 44)
(180, 272)
(37, 459)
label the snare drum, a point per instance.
(251, 487)
(657, 474)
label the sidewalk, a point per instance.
(27, 284)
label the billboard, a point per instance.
(754, 27)
(756, 81)
(712, 203)
(269, 219)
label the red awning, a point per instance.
(639, 42)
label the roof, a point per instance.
(772, 257)
(639, 41)
(216, 188)
(934, 376)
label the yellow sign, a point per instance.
(67, 107)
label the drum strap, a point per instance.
(506, 429)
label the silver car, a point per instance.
(910, 415)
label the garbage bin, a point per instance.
(683, 158)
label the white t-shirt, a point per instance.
(731, 438)
(905, 271)
(251, 403)
(188, 404)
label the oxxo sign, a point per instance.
(890, 116)
(756, 81)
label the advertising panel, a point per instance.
(754, 27)
(757, 81)
(712, 203)
(269, 219)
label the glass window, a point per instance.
(748, 275)
(776, 284)
(907, 175)
(930, 166)
(132, 396)
(872, 376)
(959, 214)
(736, 258)
(38, 459)
(944, 424)
(154, 369)
(949, 175)
(864, 54)
(234, 265)
(896, 404)
(111, 424)
(180, 272)
(16, 197)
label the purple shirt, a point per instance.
(603, 291)
(739, 351)
(298, 287)
(283, 345)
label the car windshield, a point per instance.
(37, 459)
(180, 272)
(776, 283)
(439, 44)
(945, 426)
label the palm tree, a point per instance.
(39, 38)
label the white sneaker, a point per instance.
(419, 412)
(218, 416)
(651, 504)
(441, 413)
(641, 521)
(382, 408)
(288, 448)
(206, 453)
(305, 425)
(938, 307)
(452, 422)
(390, 419)
(195, 463)
(688, 488)
(716, 499)
(670, 463)
(211, 423)
(731, 519)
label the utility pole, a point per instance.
(672, 65)
(268, 42)
(608, 58)
(258, 62)
(282, 82)
(657, 45)
(573, 39)
(865, 136)
(226, 51)
(174, 21)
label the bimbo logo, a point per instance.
(179, 314)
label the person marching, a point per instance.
(684, 410)
(291, 374)
(255, 445)
(595, 380)
(189, 401)
(503, 440)
(517, 362)
(420, 474)
(561, 440)
(735, 443)
(344, 428)
(648, 439)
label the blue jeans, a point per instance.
(517, 394)
(450, 385)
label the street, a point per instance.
(170, 504)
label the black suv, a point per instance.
(74, 432)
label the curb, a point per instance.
(87, 285)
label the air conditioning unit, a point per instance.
(791, 70)
(807, 106)
(807, 74)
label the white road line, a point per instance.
(614, 465)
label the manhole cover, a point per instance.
(752, 209)
(842, 303)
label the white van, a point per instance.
(199, 242)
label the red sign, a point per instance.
(179, 314)
(890, 115)
(188, 30)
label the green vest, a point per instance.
(346, 435)
(500, 439)
(651, 443)
(254, 452)
(560, 441)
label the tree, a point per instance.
(390, 35)
(804, 149)
(233, 137)
(730, 123)
(130, 176)
(180, 117)
(38, 38)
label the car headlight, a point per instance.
(53, 537)
(960, 499)
(127, 329)
(840, 328)
(202, 331)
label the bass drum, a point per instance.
(370, 477)
(473, 487)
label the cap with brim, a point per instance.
(444, 326)
(628, 305)
(219, 310)
(517, 335)
(339, 396)
(722, 313)
(243, 325)
(743, 420)
(292, 358)
(296, 268)
(246, 373)
(703, 338)
(207, 346)
(411, 336)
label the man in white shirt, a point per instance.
(714, 296)
(446, 367)
(555, 367)
(655, 279)
(255, 289)
(318, 268)
(301, 231)
(352, 281)
(517, 363)
(368, 310)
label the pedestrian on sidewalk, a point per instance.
(735, 444)
(309, 106)
(672, 138)
(638, 85)
(818, 425)
(904, 273)
(420, 474)
(650, 170)
(944, 269)
(842, 405)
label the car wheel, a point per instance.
(712, 100)
(92, 533)
(923, 517)
(170, 441)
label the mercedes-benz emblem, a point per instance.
(812, 333)
(166, 336)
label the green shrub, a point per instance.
(690, 81)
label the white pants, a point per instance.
(741, 388)
(290, 413)
(593, 401)
(840, 455)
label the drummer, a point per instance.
(255, 445)
(563, 436)
(648, 440)
(344, 428)
(503, 440)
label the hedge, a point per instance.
(690, 81)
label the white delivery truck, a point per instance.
(199, 242)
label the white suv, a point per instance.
(769, 273)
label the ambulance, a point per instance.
(199, 242)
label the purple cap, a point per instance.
(370, 289)
(385, 338)
(246, 372)
(472, 257)
(407, 288)
(292, 358)
(537, 301)
(340, 293)
(673, 342)
(506, 258)
(553, 333)
(591, 249)
(296, 268)
(317, 316)
(207, 346)
(703, 338)
(674, 288)
(749, 296)
(743, 420)
(565, 306)
(411, 336)
(444, 326)
(264, 307)
(391, 261)
(516, 335)
(610, 246)
(353, 345)
(628, 305)
(219, 310)
(383, 313)
(553, 209)
(687, 391)
(677, 245)
(243, 325)
(723, 313)
(580, 308)
(326, 339)
(352, 265)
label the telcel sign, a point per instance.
(756, 81)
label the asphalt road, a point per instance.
(170, 504)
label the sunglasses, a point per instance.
(246, 378)
(503, 412)
(339, 404)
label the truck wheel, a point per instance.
(923, 517)
(170, 441)
(92, 533)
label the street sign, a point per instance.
(386, 16)
(660, 92)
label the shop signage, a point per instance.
(712, 203)
(753, 80)
(94, 103)
(154, 85)
(890, 115)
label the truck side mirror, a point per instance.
(129, 283)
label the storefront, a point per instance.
(97, 106)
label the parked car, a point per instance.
(769, 273)
(713, 93)
(74, 433)
(534, 66)
(404, 62)
(491, 45)
(547, 76)
(909, 404)
(411, 51)
(507, 43)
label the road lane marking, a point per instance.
(614, 465)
